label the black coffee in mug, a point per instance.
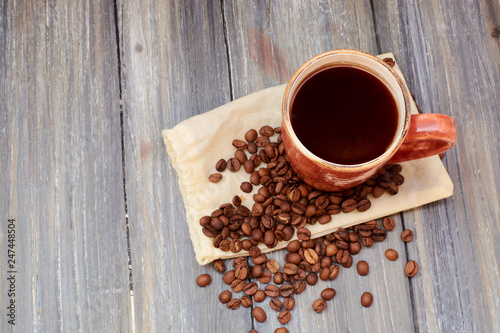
(344, 115)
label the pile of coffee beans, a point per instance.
(283, 203)
(282, 207)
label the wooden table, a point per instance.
(101, 242)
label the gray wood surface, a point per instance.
(67, 69)
(61, 169)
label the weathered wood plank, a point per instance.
(267, 42)
(60, 167)
(451, 56)
(174, 66)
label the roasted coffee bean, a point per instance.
(229, 277)
(256, 234)
(233, 164)
(254, 251)
(246, 187)
(324, 274)
(272, 290)
(239, 262)
(215, 177)
(269, 238)
(379, 235)
(349, 205)
(388, 223)
(203, 280)
(348, 262)
(342, 245)
(252, 149)
(407, 235)
(278, 278)
(265, 277)
(249, 166)
(286, 290)
(312, 278)
(281, 330)
(411, 268)
(328, 294)
(299, 286)
(259, 314)
(239, 144)
(342, 256)
(367, 241)
(257, 271)
(246, 301)
(366, 299)
(221, 165)
(261, 141)
(303, 234)
(250, 288)
(240, 156)
(255, 178)
(290, 269)
(235, 246)
(319, 305)
(391, 254)
(293, 246)
(237, 285)
(354, 248)
(324, 219)
(378, 191)
(225, 296)
(219, 266)
(362, 268)
(331, 250)
(363, 205)
(284, 317)
(310, 256)
(276, 304)
(273, 266)
(233, 304)
(259, 260)
(205, 220)
(251, 135)
(333, 272)
(259, 296)
(266, 131)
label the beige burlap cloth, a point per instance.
(196, 144)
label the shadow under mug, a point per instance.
(417, 136)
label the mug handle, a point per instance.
(428, 135)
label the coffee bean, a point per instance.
(391, 254)
(259, 314)
(319, 305)
(237, 285)
(252, 149)
(254, 251)
(312, 278)
(235, 246)
(388, 223)
(229, 277)
(255, 178)
(378, 191)
(269, 238)
(354, 248)
(261, 141)
(233, 304)
(203, 280)
(250, 288)
(246, 301)
(286, 290)
(299, 286)
(273, 266)
(239, 144)
(367, 241)
(233, 164)
(348, 262)
(411, 268)
(284, 317)
(265, 277)
(331, 250)
(290, 269)
(219, 266)
(349, 205)
(249, 166)
(259, 260)
(407, 235)
(272, 290)
(241, 156)
(275, 304)
(266, 131)
(328, 294)
(215, 177)
(333, 272)
(281, 330)
(259, 296)
(251, 135)
(303, 234)
(310, 256)
(362, 268)
(363, 205)
(221, 165)
(293, 246)
(379, 235)
(225, 296)
(366, 299)
(246, 187)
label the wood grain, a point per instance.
(451, 58)
(175, 66)
(60, 167)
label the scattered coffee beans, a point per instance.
(366, 299)
(328, 294)
(284, 317)
(319, 305)
(289, 303)
(259, 314)
(411, 268)
(407, 235)
(233, 304)
(203, 280)
(225, 296)
(276, 304)
(215, 177)
(362, 268)
(391, 254)
(281, 330)
(388, 223)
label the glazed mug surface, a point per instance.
(416, 136)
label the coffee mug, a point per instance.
(346, 114)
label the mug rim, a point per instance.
(396, 143)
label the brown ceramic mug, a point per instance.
(416, 136)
